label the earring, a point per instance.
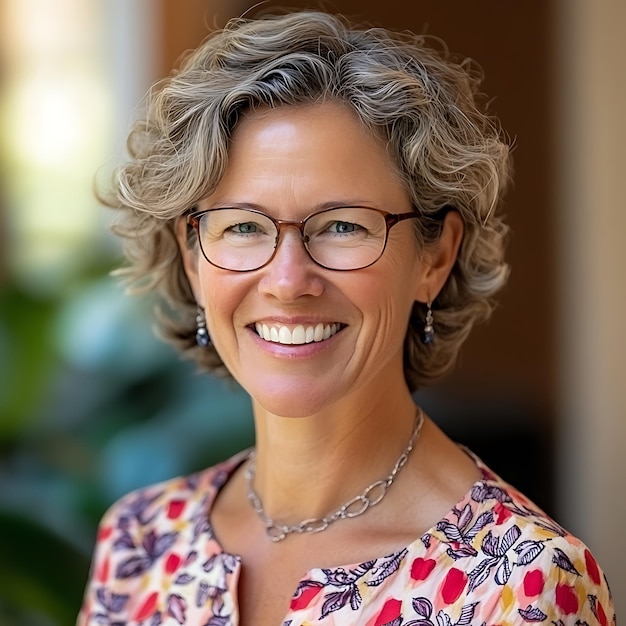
(202, 334)
(428, 334)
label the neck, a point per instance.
(307, 467)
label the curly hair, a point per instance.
(423, 103)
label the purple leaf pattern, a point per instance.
(133, 566)
(563, 561)
(202, 594)
(530, 614)
(185, 579)
(460, 535)
(157, 619)
(528, 551)
(503, 573)
(481, 572)
(177, 607)
(467, 614)
(423, 607)
(124, 542)
(444, 619)
(335, 601)
(386, 568)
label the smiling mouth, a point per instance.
(298, 335)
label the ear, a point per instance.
(189, 252)
(439, 258)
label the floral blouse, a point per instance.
(493, 559)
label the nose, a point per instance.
(292, 273)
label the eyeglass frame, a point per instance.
(391, 219)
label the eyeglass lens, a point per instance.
(341, 238)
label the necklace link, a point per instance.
(371, 496)
(350, 510)
(381, 486)
(276, 532)
(313, 525)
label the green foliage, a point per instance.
(40, 574)
(26, 351)
(91, 406)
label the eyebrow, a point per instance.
(322, 206)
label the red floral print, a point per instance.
(422, 568)
(566, 599)
(147, 608)
(172, 563)
(601, 615)
(175, 508)
(104, 532)
(391, 611)
(305, 597)
(592, 567)
(453, 585)
(533, 583)
(502, 513)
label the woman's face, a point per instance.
(289, 162)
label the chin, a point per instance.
(291, 400)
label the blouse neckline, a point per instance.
(225, 470)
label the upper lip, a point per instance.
(295, 321)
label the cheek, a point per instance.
(220, 294)
(394, 294)
(404, 271)
(386, 300)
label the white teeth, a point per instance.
(319, 333)
(263, 331)
(284, 335)
(299, 335)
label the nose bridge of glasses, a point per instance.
(299, 224)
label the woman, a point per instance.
(317, 204)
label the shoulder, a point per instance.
(152, 534)
(165, 507)
(501, 557)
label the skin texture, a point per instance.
(339, 410)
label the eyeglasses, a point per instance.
(340, 238)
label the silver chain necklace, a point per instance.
(371, 496)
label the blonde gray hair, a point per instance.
(448, 152)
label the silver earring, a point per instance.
(202, 334)
(428, 334)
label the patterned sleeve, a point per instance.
(576, 584)
(100, 598)
(561, 584)
(122, 556)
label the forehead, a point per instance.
(306, 156)
(318, 114)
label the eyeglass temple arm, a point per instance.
(394, 218)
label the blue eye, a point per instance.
(344, 227)
(245, 228)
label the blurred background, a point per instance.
(91, 405)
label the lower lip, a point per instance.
(293, 351)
